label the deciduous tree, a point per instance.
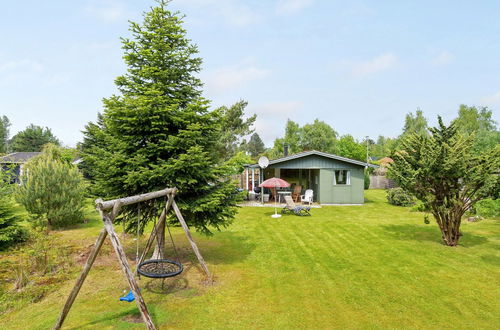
(415, 123)
(4, 133)
(349, 148)
(479, 123)
(318, 136)
(33, 138)
(235, 127)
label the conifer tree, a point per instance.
(10, 230)
(52, 190)
(443, 172)
(158, 131)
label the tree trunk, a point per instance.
(449, 223)
(159, 252)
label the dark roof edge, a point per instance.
(318, 153)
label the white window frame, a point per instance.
(347, 181)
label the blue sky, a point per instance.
(358, 65)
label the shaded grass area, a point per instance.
(370, 266)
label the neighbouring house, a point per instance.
(333, 179)
(379, 179)
(15, 162)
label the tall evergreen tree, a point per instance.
(255, 146)
(158, 131)
(33, 138)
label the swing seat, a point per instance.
(129, 297)
(160, 268)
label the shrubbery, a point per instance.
(367, 180)
(52, 191)
(399, 197)
(10, 231)
(488, 208)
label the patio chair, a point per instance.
(307, 197)
(291, 207)
(296, 193)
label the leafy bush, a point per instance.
(488, 208)
(399, 197)
(52, 191)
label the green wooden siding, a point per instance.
(341, 194)
(327, 192)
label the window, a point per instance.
(342, 177)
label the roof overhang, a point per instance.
(317, 153)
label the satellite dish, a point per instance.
(263, 162)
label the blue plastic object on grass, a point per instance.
(129, 297)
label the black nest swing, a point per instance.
(160, 268)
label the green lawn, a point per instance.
(370, 266)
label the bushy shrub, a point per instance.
(399, 197)
(488, 208)
(367, 180)
(52, 191)
(10, 230)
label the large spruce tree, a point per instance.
(158, 131)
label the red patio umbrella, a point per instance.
(275, 183)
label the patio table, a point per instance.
(283, 193)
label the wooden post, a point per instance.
(191, 240)
(133, 199)
(81, 279)
(115, 241)
(86, 269)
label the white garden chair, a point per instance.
(307, 197)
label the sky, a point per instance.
(360, 66)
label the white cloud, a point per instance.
(24, 65)
(23, 72)
(290, 7)
(491, 99)
(271, 118)
(377, 64)
(230, 11)
(231, 77)
(443, 58)
(239, 15)
(106, 10)
(283, 109)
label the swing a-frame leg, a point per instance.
(108, 217)
(108, 230)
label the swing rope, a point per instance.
(129, 297)
(137, 234)
(161, 268)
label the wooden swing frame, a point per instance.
(109, 210)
